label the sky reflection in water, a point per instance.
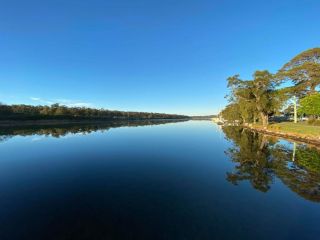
(186, 180)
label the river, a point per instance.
(156, 180)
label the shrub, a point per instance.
(314, 122)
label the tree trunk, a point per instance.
(264, 119)
(263, 142)
(313, 89)
(243, 121)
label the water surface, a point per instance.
(185, 180)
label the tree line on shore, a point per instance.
(56, 112)
(294, 88)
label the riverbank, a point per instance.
(16, 123)
(300, 132)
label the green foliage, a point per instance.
(308, 158)
(56, 111)
(261, 97)
(303, 70)
(310, 105)
(267, 99)
(257, 98)
(231, 112)
(247, 110)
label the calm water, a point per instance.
(186, 180)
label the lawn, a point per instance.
(301, 128)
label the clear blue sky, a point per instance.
(144, 55)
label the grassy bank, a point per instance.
(301, 132)
(301, 128)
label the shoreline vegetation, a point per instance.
(15, 115)
(269, 101)
(58, 122)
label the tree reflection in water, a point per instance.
(72, 128)
(260, 159)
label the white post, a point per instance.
(295, 109)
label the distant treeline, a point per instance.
(56, 112)
(208, 117)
